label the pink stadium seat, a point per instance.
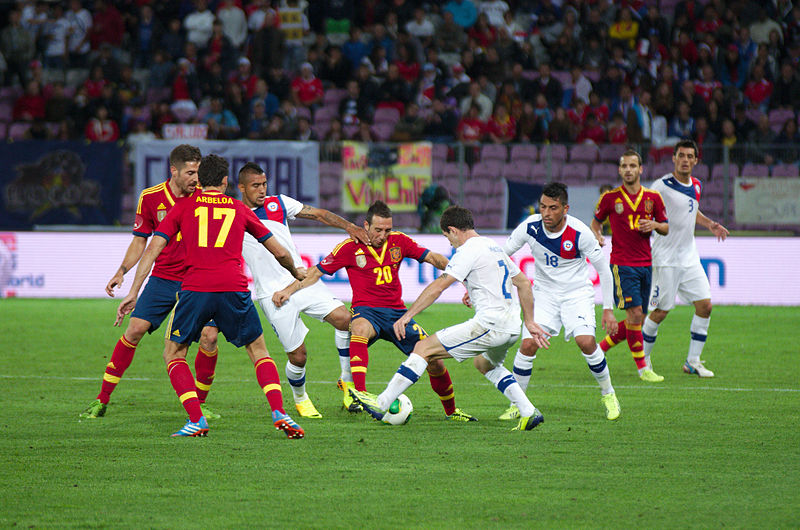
(714, 188)
(700, 171)
(333, 96)
(542, 173)
(325, 114)
(487, 169)
(383, 131)
(517, 171)
(604, 171)
(349, 130)
(439, 152)
(718, 171)
(553, 152)
(575, 172)
(780, 116)
(524, 152)
(17, 130)
(494, 152)
(3, 130)
(755, 170)
(321, 128)
(611, 152)
(753, 115)
(6, 111)
(785, 170)
(584, 153)
(386, 115)
(304, 112)
(659, 170)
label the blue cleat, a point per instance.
(198, 428)
(283, 422)
(369, 402)
(528, 423)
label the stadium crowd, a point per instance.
(463, 70)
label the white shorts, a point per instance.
(689, 283)
(576, 315)
(316, 301)
(470, 339)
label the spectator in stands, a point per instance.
(761, 28)
(394, 91)
(213, 83)
(542, 111)
(172, 41)
(218, 49)
(618, 130)
(355, 49)
(450, 37)
(502, 127)
(364, 133)
(222, 123)
(199, 24)
(640, 120)
(234, 22)
(682, 124)
(598, 108)
(238, 104)
(728, 137)
(381, 38)
(731, 68)
(421, 27)
(787, 142)
(106, 60)
(471, 129)
(276, 130)
(108, 26)
(407, 66)
(441, 122)
(336, 69)
(262, 94)
(258, 121)
(787, 89)
(54, 33)
(95, 83)
(654, 24)
(581, 86)
(268, 45)
(549, 86)
(476, 97)
(591, 131)
(705, 140)
(37, 131)
(185, 85)
(560, 129)
(147, 34)
(79, 25)
(101, 128)
(57, 106)
(530, 128)
(30, 106)
(243, 77)
(304, 131)
(307, 89)
(335, 133)
(128, 90)
(625, 30)
(482, 32)
(410, 127)
(288, 112)
(705, 86)
(464, 12)
(758, 90)
(761, 140)
(18, 47)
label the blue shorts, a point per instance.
(631, 286)
(383, 319)
(156, 301)
(234, 315)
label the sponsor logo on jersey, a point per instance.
(567, 245)
(648, 205)
(619, 207)
(396, 254)
(361, 260)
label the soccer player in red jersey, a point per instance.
(377, 300)
(214, 287)
(158, 297)
(633, 212)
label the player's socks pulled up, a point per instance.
(649, 335)
(523, 368)
(296, 375)
(612, 340)
(270, 383)
(121, 359)
(443, 386)
(597, 364)
(205, 364)
(182, 381)
(636, 345)
(407, 374)
(359, 359)
(699, 334)
(342, 341)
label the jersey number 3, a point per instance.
(226, 214)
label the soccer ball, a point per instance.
(399, 412)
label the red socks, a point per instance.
(359, 359)
(182, 381)
(270, 383)
(120, 361)
(204, 365)
(443, 386)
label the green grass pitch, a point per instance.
(688, 452)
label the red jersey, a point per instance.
(307, 90)
(373, 273)
(154, 203)
(629, 246)
(213, 227)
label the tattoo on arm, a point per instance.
(307, 212)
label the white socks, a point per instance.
(296, 375)
(342, 341)
(597, 364)
(408, 374)
(502, 379)
(523, 368)
(699, 332)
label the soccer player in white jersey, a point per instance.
(268, 276)
(560, 245)
(488, 273)
(676, 263)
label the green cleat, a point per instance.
(369, 403)
(97, 409)
(347, 401)
(208, 413)
(307, 409)
(612, 406)
(649, 376)
(528, 423)
(460, 415)
(511, 413)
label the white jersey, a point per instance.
(560, 257)
(486, 272)
(678, 247)
(268, 275)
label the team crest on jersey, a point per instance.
(396, 254)
(272, 207)
(361, 261)
(161, 214)
(619, 207)
(648, 205)
(567, 245)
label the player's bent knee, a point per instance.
(299, 356)
(339, 318)
(703, 308)
(362, 328)
(528, 347)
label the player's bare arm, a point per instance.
(648, 225)
(427, 297)
(523, 285)
(132, 257)
(142, 272)
(717, 229)
(597, 230)
(437, 260)
(280, 297)
(600, 263)
(283, 257)
(331, 219)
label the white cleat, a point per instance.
(697, 368)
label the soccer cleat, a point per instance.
(460, 415)
(96, 409)
(347, 401)
(307, 409)
(369, 403)
(511, 413)
(612, 406)
(697, 368)
(197, 428)
(650, 376)
(208, 413)
(528, 423)
(284, 422)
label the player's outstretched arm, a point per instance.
(437, 260)
(142, 271)
(427, 297)
(331, 219)
(597, 230)
(600, 262)
(717, 229)
(283, 257)
(523, 285)
(280, 297)
(132, 256)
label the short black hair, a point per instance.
(631, 152)
(250, 168)
(213, 168)
(556, 191)
(380, 209)
(184, 153)
(686, 144)
(457, 217)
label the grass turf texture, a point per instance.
(687, 452)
